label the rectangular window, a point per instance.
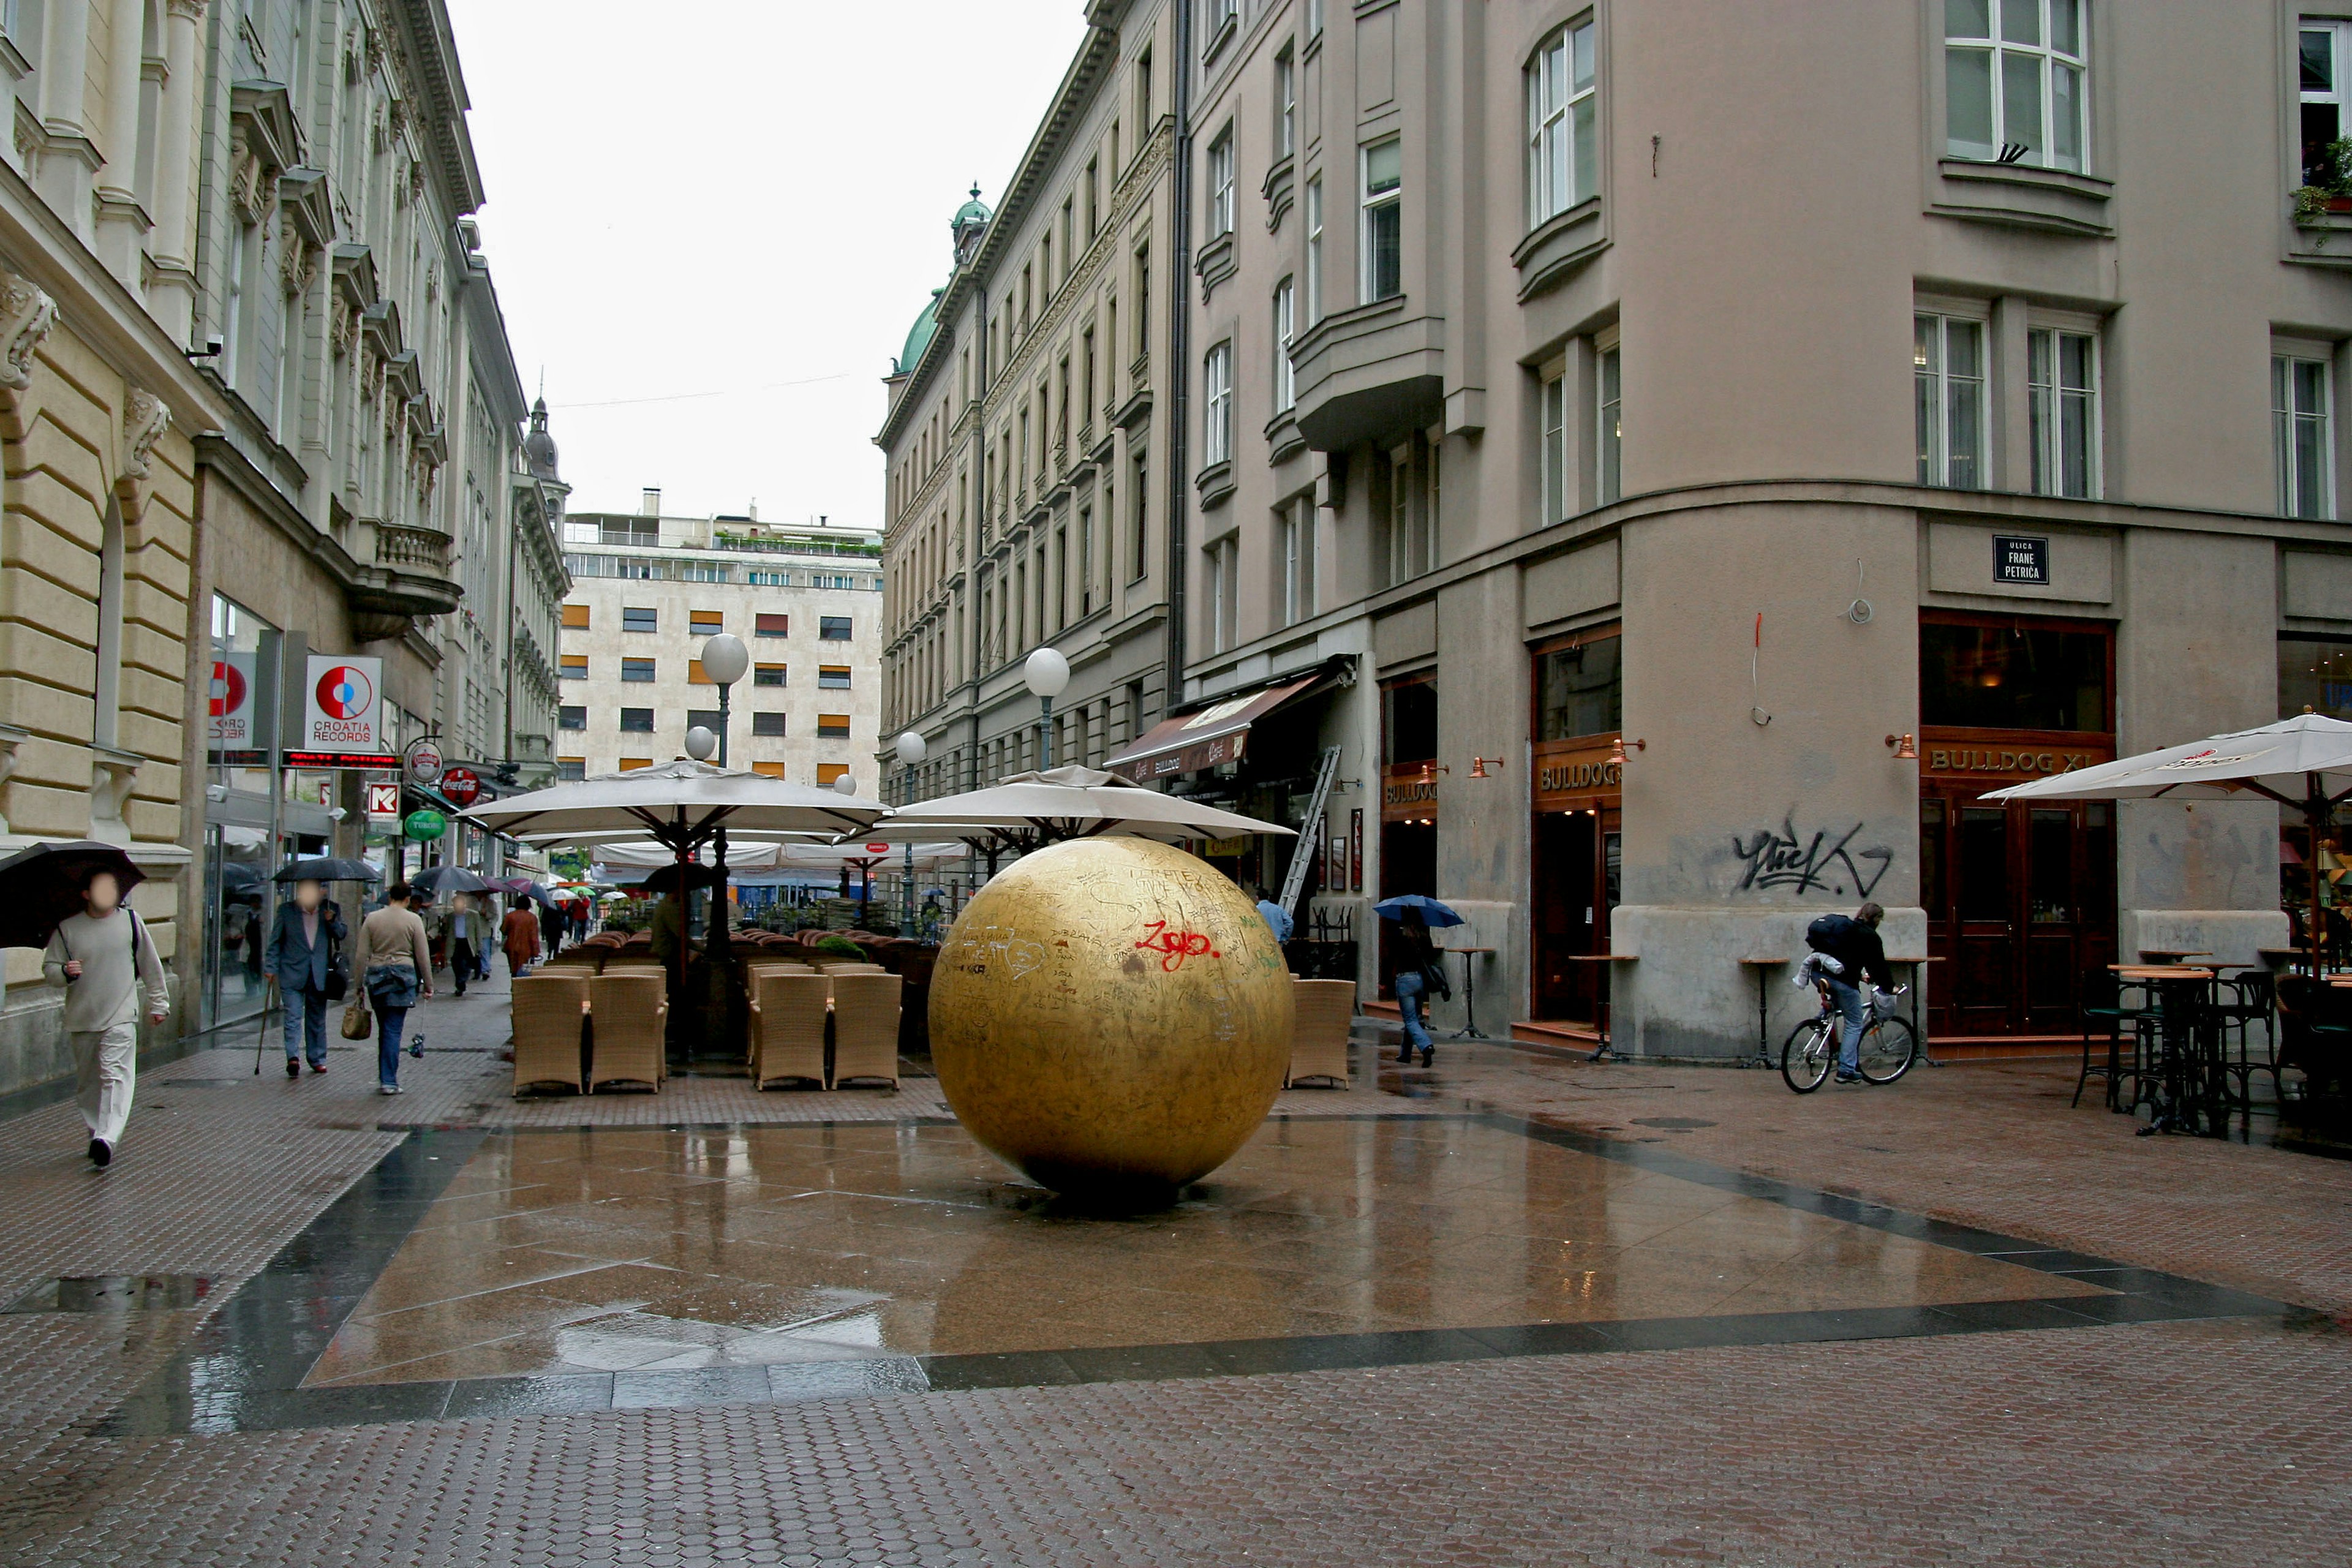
(1314, 251)
(1085, 562)
(1948, 371)
(1408, 719)
(710, 719)
(571, 716)
(639, 619)
(1217, 407)
(767, 675)
(1285, 386)
(833, 628)
(2062, 383)
(1578, 691)
(1384, 270)
(638, 669)
(575, 617)
(636, 720)
(2315, 673)
(2009, 677)
(2323, 53)
(1552, 483)
(631, 764)
(2015, 94)
(827, 773)
(2300, 440)
(769, 770)
(574, 666)
(1610, 431)
(705, 623)
(1224, 593)
(571, 769)
(1298, 561)
(832, 726)
(1140, 562)
(768, 725)
(695, 675)
(1314, 18)
(832, 677)
(1221, 184)
(1286, 104)
(767, 625)
(1563, 147)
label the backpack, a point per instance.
(1827, 932)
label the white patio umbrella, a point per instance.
(2304, 763)
(1059, 804)
(681, 805)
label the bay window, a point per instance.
(1563, 146)
(1285, 386)
(1383, 276)
(1221, 184)
(1217, 407)
(2015, 75)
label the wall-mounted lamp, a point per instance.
(1906, 749)
(1429, 771)
(1479, 766)
(1617, 749)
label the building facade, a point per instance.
(1028, 443)
(1682, 461)
(647, 591)
(99, 414)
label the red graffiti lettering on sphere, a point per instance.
(1175, 946)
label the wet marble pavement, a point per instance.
(486, 1271)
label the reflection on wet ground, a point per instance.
(630, 1250)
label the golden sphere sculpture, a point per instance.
(1112, 1017)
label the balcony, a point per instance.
(408, 580)
(1369, 374)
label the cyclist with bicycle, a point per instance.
(1854, 942)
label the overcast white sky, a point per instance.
(713, 232)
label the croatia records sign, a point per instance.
(229, 726)
(343, 703)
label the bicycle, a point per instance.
(1888, 1046)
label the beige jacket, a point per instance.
(392, 935)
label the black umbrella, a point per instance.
(41, 884)
(537, 893)
(435, 881)
(330, 868)
(692, 873)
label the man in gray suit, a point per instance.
(302, 956)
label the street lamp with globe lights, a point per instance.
(911, 748)
(1047, 673)
(725, 660)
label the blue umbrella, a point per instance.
(1431, 912)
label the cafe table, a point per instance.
(1606, 1020)
(1470, 956)
(2188, 1095)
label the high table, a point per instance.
(1917, 1032)
(1763, 967)
(1607, 1049)
(1470, 955)
(2187, 1096)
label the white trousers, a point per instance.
(106, 1069)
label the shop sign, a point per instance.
(1237, 845)
(424, 763)
(1406, 794)
(342, 702)
(382, 801)
(1356, 849)
(1976, 758)
(2021, 561)
(232, 707)
(461, 787)
(1573, 773)
(323, 761)
(426, 825)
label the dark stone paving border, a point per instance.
(243, 1369)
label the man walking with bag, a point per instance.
(301, 955)
(103, 957)
(395, 969)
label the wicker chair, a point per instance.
(865, 1027)
(787, 1027)
(1323, 1010)
(550, 1010)
(630, 1018)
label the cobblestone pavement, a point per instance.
(2215, 1441)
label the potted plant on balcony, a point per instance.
(2330, 194)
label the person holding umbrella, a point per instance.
(102, 957)
(301, 957)
(551, 921)
(394, 966)
(1415, 966)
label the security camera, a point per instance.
(215, 346)
(216, 792)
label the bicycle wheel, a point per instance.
(1888, 1049)
(1806, 1056)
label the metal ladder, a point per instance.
(1310, 836)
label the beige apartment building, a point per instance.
(1028, 438)
(1682, 456)
(647, 591)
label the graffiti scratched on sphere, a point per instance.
(1779, 859)
(1175, 946)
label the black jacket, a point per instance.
(1855, 946)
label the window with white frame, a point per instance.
(1948, 377)
(1285, 388)
(1383, 272)
(1551, 498)
(2301, 410)
(2014, 81)
(1225, 593)
(1563, 144)
(1286, 104)
(1412, 512)
(1314, 251)
(2063, 390)
(2323, 60)
(1221, 184)
(1217, 407)
(1608, 429)
(1298, 561)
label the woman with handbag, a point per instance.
(1419, 971)
(395, 970)
(301, 958)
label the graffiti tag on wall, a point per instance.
(1778, 858)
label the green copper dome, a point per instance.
(971, 212)
(919, 336)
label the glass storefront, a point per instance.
(1577, 833)
(237, 860)
(2315, 675)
